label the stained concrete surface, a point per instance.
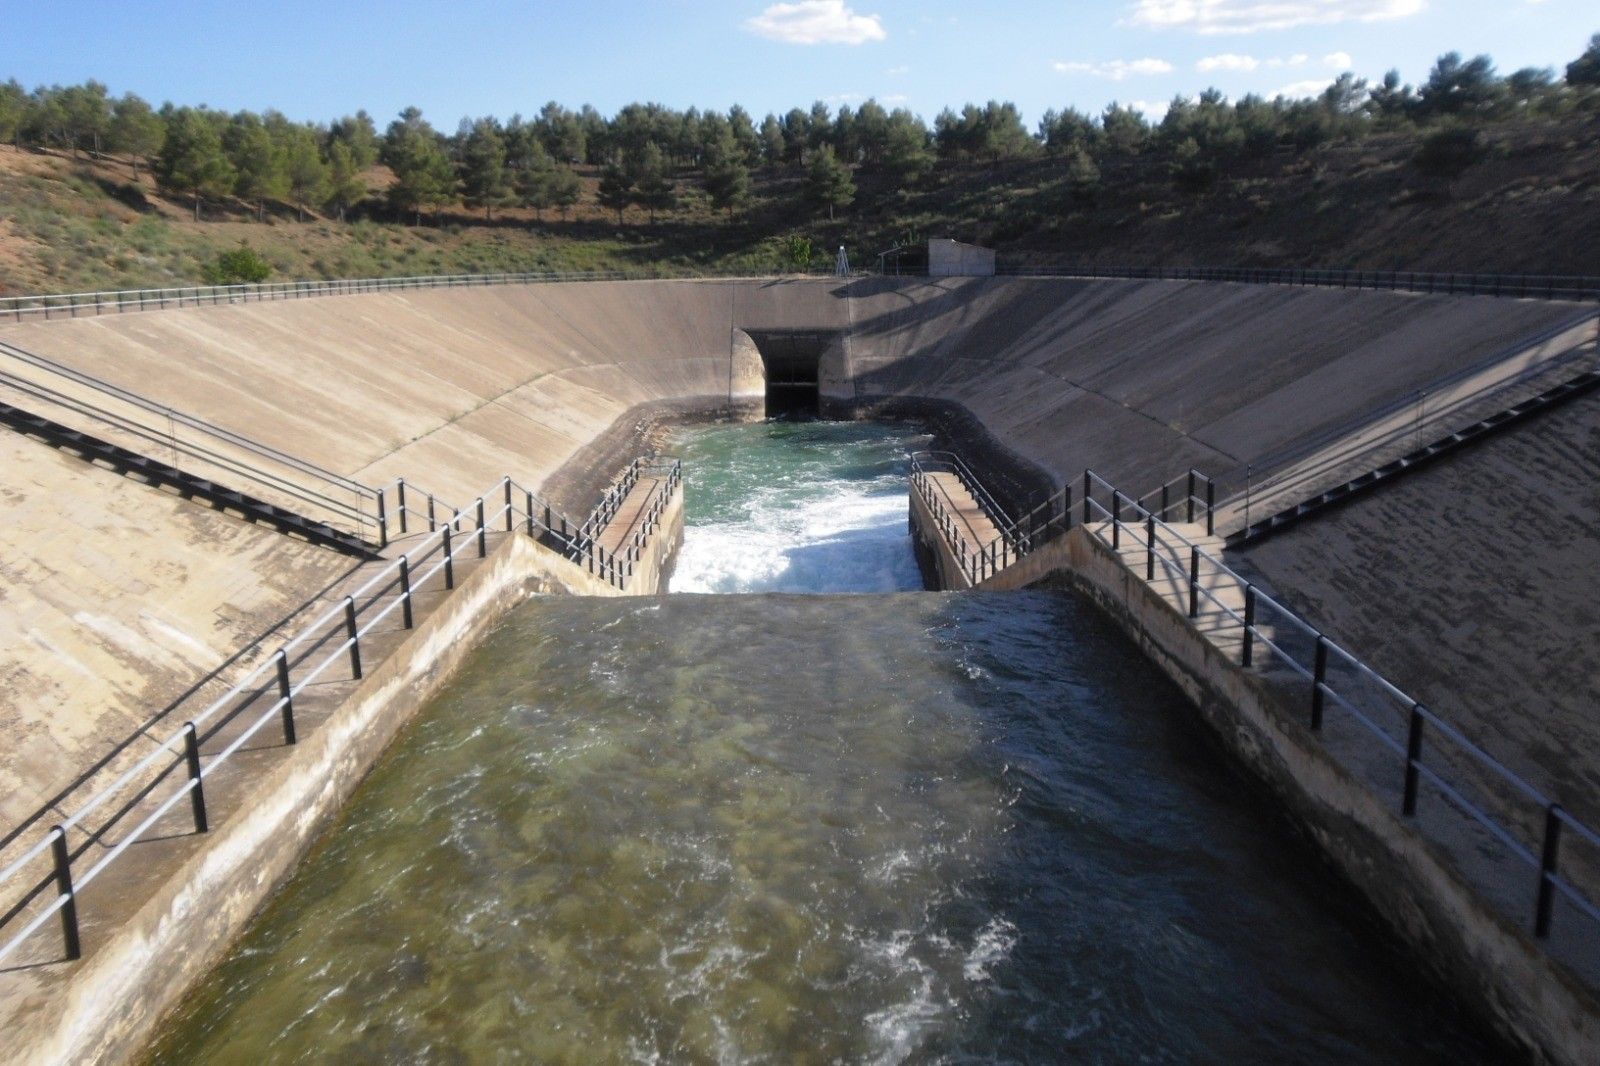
(1474, 584)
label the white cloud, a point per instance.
(1227, 61)
(1299, 59)
(1254, 16)
(894, 98)
(1154, 110)
(1338, 61)
(1299, 90)
(1115, 69)
(816, 22)
(895, 72)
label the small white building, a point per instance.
(952, 259)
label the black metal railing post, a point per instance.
(1191, 496)
(286, 697)
(449, 561)
(405, 592)
(509, 514)
(529, 513)
(383, 521)
(1211, 508)
(354, 636)
(197, 788)
(400, 502)
(1319, 678)
(1116, 520)
(1408, 800)
(432, 525)
(1194, 582)
(1088, 488)
(483, 534)
(69, 907)
(1548, 861)
(1150, 548)
(1248, 652)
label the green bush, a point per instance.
(238, 266)
(1449, 150)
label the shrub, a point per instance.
(237, 266)
(1449, 150)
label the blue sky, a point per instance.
(319, 60)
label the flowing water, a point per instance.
(796, 507)
(821, 828)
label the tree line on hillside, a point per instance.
(642, 150)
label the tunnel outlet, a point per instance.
(791, 360)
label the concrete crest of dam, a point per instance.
(1278, 393)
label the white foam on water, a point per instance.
(847, 537)
(994, 944)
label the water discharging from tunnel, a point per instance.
(823, 828)
(796, 507)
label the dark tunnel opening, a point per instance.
(790, 360)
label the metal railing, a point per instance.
(120, 301)
(1527, 828)
(979, 563)
(1410, 419)
(1517, 824)
(205, 448)
(1526, 286)
(270, 689)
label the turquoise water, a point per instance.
(811, 507)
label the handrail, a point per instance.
(119, 301)
(279, 471)
(1420, 720)
(1525, 286)
(342, 623)
(1281, 461)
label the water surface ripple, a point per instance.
(820, 829)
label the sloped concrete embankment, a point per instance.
(106, 1009)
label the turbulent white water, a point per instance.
(816, 507)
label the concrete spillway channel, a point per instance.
(547, 393)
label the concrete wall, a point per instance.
(1415, 887)
(1476, 584)
(1142, 380)
(117, 996)
(115, 598)
(952, 259)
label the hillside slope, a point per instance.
(1533, 205)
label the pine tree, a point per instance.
(616, 190)
(728, 184)
(136, 130)
(308, 174)
(483, 166)
(1083, 177)
(563, 189)
(191, 159)
(259, 167)
(13, 110)
(345, 189)
(773, 147)
(828, 181)
(359, 136)
(423, 174)
(906, 154)
(656, 191)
